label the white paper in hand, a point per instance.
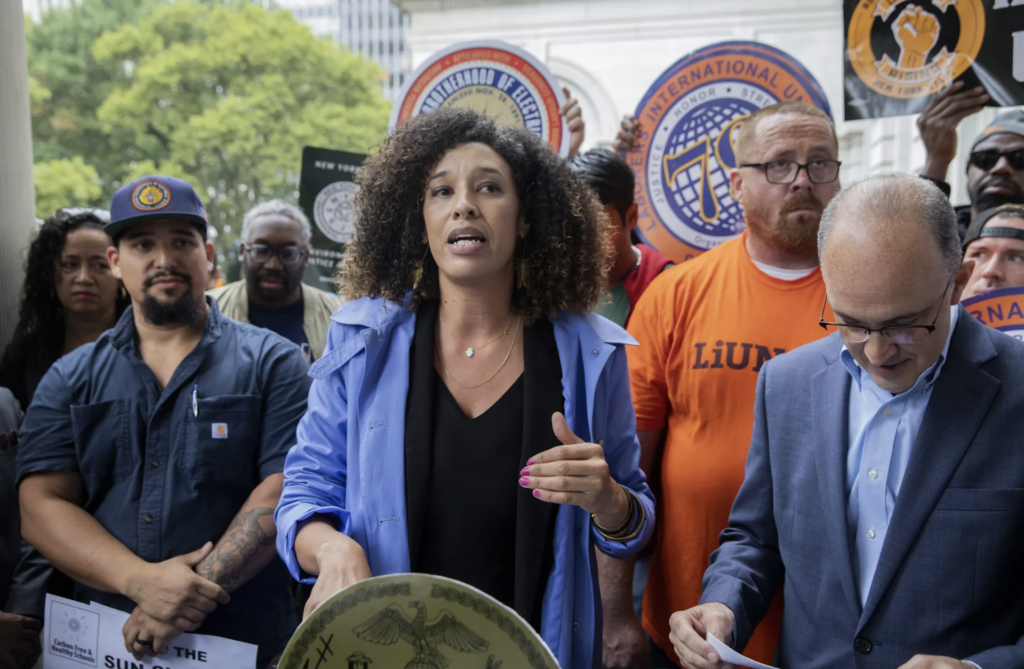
(79, 635)
(729, 656)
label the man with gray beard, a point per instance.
(150, 461)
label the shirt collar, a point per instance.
(930, 376)
(123, 333)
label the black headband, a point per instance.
(977, 228)
(1012, 233)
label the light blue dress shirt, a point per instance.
(882, 429)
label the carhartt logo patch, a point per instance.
(219, 430)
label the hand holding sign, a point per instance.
(156, 636)
(576, 473)
(629, 134)
(340, 561)
(171, 592)
(937, 125)
(573, 115)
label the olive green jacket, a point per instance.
(318, 305)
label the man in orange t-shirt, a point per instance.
(705, 329)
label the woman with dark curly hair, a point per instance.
(470, 417)
(68, 299)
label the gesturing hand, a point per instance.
(576, 473)
(690, 629)
(156, 635)
(174, 594)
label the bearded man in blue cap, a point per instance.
(151, 460)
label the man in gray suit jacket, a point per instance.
(884, 489)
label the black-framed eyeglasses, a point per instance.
(786, 171)
(288, 254)
(986, 160)
(898, 334)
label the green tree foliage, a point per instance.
(63, 182)
(224, 95)
(67, 85)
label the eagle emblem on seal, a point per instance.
(392, 625)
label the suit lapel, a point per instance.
(830, 389)
(947, 430)
(542, 392)
(419, 427)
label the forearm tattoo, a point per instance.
(243, 551)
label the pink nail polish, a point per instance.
(525, 472)
(536, 493)
(529, 462)
(525, 481)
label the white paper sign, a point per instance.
(77, 635)
(729, 656)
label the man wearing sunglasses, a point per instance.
(995, 168)
(884, 492)
(274, 255)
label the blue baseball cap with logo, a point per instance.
(151, 197)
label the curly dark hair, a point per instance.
(38, 338)
(567, 249)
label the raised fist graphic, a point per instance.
(916, 31)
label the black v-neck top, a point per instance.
(470, 519)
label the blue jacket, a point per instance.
(349, 458)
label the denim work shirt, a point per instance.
(349, 461)
(164, 478)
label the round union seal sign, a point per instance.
(334, 211)
(494, 78)
(688, 122)
(1002, 309)
(415, 621)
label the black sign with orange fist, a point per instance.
(900, 52)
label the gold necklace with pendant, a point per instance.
(437, 347)
(471, 351)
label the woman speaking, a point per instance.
(470, 417)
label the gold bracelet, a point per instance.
(622, 527)
(640, 523)
(635, 507)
